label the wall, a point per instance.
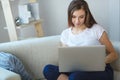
(24, 32)
(54, 15)
(4, 37)
(106, 13)
(3, 33)
(114, 19)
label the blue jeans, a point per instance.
(51, 72)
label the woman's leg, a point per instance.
(51, 72)
(98, 75)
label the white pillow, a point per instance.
(116, 64)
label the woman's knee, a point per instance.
(73, 76)
(51, 72)
(78, 76)
(48, 68)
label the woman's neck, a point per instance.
(77, 30)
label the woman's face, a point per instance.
(78, 18)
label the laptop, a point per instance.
(84, 58)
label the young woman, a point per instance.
(83, 30)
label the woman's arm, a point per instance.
(112, 55)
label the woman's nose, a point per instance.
(77, 20)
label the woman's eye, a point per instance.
(81, 16)
(73, 17)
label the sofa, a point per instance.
(35, 53)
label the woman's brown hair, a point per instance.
(80, 4)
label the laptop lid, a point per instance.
(82, 58)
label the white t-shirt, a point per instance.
(90, 36)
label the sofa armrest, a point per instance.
(8, 75)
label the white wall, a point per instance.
(106, 13)
(100, 12)
(3, 33)
(24, 32)
(54, 15)
(114, 19)
(4, 37)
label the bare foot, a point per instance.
(63, 77)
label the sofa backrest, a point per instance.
(34, 53)
(37, 52)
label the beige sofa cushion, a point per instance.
(8, 75)
(34, 53)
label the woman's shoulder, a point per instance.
(97, 27)
(97, 30)
(66, 31)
